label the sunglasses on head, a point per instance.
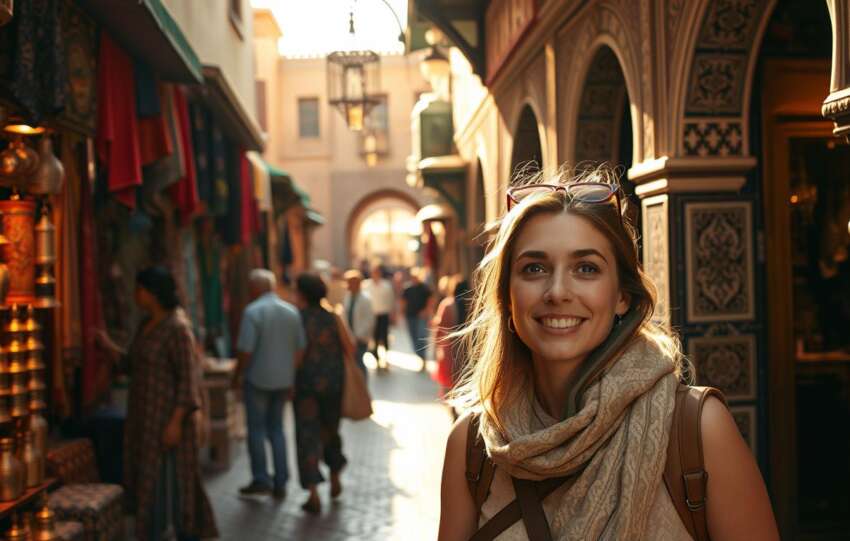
(592, 193)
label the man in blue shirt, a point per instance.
(270, 347)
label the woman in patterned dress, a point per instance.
(161, 470)
(318, 392)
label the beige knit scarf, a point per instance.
(619, 436)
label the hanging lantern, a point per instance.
(353, 83)
(354, 78)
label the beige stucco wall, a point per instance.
(216, 40)
(331, 168)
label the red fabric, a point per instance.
(95, 370)
(185, 192)
(432, 250)
(444, 323)
(250, 216)
(117, 126)
(154, 139)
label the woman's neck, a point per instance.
(551, 382)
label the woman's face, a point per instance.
(144, 298)
(564, 287)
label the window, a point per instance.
(308, 117)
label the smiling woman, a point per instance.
(573, 391)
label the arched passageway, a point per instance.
(527, 148)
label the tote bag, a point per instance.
(356, 402)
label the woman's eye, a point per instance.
(533, 268)
(587, 268)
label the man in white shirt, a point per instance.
(381, 291)
(357, 310)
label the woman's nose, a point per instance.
(559, 288)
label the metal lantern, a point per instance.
(353, 83)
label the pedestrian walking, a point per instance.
(318, 392)
(269, 349)
(382, 293)
(161, 470)
(416, 301)
(357, 307)
(451, 318)
(575, 391)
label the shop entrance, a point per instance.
(385, 228)
(807, 209)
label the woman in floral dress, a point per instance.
(318, 392)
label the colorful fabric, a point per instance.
(185, 192)
(164, 374)
(73, 462)
(318, 397)
(37, 79)
(445, 321)
(171, 168)
(618, 436)
(209, 267)
(154, 137)
(220, 150)
(118, 130)
(98, 507)
(201, 138)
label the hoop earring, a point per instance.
(511, 325)
(617, 320)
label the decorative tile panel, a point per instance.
(713, 137)
(716, 85)
(719, 256)
(726, 362)
(656, 253)
(745, 418)
(730, 24)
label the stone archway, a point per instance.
(604, 125)
(527, 148)
(379, 227)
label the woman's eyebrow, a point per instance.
(588, 252)
(533, 254)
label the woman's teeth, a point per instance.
(561, 322)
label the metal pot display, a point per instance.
(12, 475)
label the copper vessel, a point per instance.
(34, 362)
(50, 174)
(20, 530)
(45, 288)
(39, 429)
(33, 461)
(45, 239)
(12, 475)
(19, 404)
(33, 344)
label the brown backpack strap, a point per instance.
(479, 467)
(684, 473)
(512, 513)
(531, 505)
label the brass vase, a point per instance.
(12, 474)
(33, 461)
(39, 429)
(20, 530)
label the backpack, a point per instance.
(684, 475)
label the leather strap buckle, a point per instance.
(695, 488)
(473, 477)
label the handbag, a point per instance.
(356, 401)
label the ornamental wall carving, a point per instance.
(719, 257)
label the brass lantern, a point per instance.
(354, 78)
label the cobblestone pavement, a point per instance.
(390, 487)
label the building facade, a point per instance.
(714, 109)
(368, 207)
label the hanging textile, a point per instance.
(33, 59)
(191, 277)
(209, 267)
(154, 138)
(220, 150)
(262, 182)
(66, 216)
(95, 370)
(230, 223)
(79, 33)
(185, 192)
(171, 168)
(118, 131)
(249, 222)
(201, 140)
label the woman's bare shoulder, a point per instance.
(457, 515)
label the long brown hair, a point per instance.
(500, 367)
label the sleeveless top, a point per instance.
(322, 367)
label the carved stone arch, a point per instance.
(526, 112)
(602, 27)
(715, 109)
